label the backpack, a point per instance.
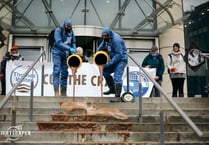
(51, 38)
(171, 60)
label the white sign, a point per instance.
(87, 80)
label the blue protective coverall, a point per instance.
(118, 55)
(64, 45)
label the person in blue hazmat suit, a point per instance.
(64, 45)
(115, 46)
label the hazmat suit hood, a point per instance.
(107, 31)
(66, 22)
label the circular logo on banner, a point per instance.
(17, 74)
(195, 58)
(134, 78)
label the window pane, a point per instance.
(29, 54)
(138, 57)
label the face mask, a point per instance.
(106, 39)
(68, 30)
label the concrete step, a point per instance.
(147, 115)
(127, 111)
(99, 143)
(58, 126)
(145, 105)
(100, 137)
(118, 126)
(132, 118)
(106, 99)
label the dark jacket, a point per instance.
(155, 62)
(8, 57)
(84, 59)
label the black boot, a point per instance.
(110, 83)
(63, 92)
(174, 95)
(56, 91)
(181, 95)
(117, 98)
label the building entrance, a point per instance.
(89, 45)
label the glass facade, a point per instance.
(197, 32)
(125, 16)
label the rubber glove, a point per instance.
(72, 50)
(107, 65)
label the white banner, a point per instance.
(87, 80)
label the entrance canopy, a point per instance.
(127, 17)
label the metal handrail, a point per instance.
(6, 98)
(172, 103)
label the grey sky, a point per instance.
(188, 3)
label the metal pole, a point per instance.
(127, 73)
(31, 101)
(162, 133)
(42, 75)
(140, 98)
(42, 80)
(14, 106)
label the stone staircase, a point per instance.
(52, 126)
